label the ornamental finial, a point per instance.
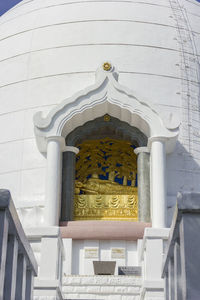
(107, 66)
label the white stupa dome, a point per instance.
(50, 49)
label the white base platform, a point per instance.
(102, 287)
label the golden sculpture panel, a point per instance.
(106, 207)
(106, 199)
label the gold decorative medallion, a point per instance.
(106, 118)
(107, 66)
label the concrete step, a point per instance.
(101, 287)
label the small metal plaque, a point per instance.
(91, 253)
(129, 271)
(118, 253)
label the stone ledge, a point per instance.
(44, 231)
(99, 297)
(102, 280)
(101, 290)
(152, 233)
(102, 287)
(103, 230)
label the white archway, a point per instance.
(106, 96)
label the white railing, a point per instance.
(17, 262)
(182, 256)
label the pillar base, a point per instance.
(47, 290)
(152, 290)
(151, 260)
(48, 284)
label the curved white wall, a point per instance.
(50, 49)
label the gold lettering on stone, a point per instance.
(118, 253)
(91, 252)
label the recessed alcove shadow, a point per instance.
(106, 126)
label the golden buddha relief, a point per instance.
(105, 186)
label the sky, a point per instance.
(7, 4)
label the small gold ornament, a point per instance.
(106, 118)
(107, 66)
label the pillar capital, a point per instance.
(161, 139)
(71, 149)
(139, 150)
(58, 139)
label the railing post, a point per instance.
(29, 284)
(21, 278)
(171, 278)
(11, 268)
(190, 257)
(167, 285)
(3, 248)
(177, 272)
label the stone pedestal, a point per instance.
(49, 282)
(151, 260)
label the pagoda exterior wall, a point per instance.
(51, 49)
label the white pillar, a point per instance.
(158, 182)
(53, 180)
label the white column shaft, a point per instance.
(158, 162)
(53, 182)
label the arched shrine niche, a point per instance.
(100, 182)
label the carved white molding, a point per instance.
(31, 216)
(71, 149)
(106, 96)
(141, 150)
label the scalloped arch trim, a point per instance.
(106, 96)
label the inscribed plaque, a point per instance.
(91, 252)
(118, 253)
(128, 271)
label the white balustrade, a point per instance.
(182, 256)
(17, 262)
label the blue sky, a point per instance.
(7, 4)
